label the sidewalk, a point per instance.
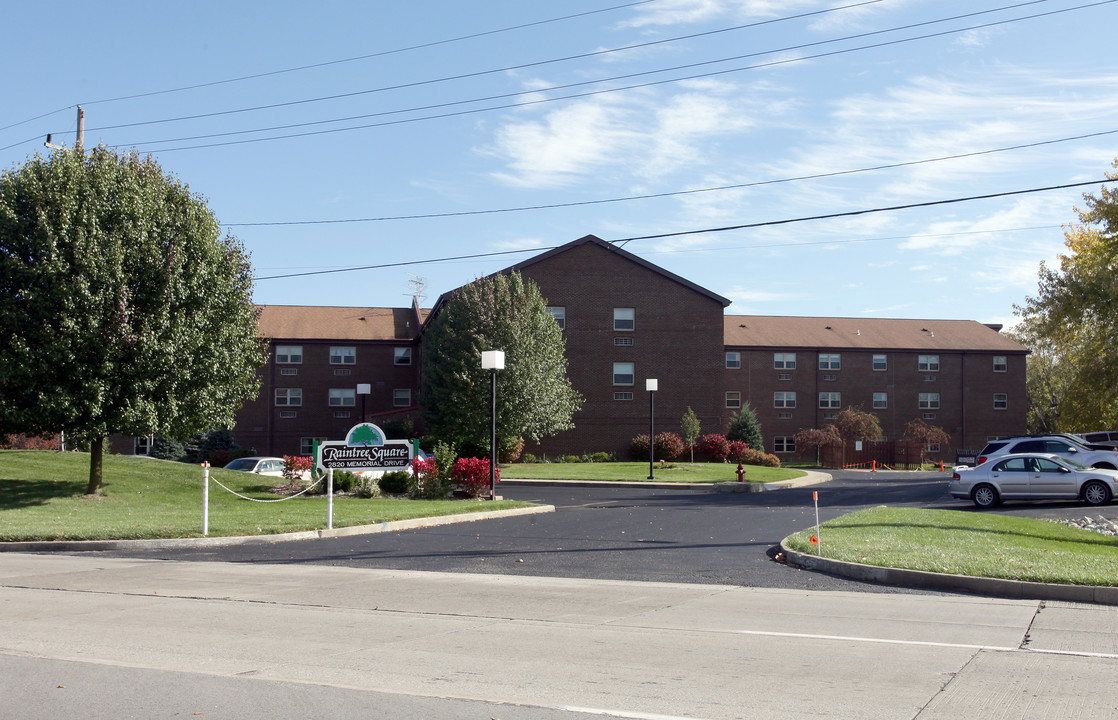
(531, 645)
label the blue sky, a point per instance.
(446, 119)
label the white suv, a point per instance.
(1053, 444)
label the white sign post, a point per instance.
(365, 448)
(205, 499)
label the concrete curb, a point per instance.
(170, 543)
(988, 587)
(812, 477)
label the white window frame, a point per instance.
(880, 400)
(289, 397)
(624, 319)
(733, 360)
(343, 355)
(289, 354)
(624, 370)
(559, 312)
(401, 397)
(928, 401)
(882, 360)
(1001, 401)
(927, 363)
(784, 444)
(401, 356)
(784, 361)
(830, 361)
(784, 399)
(733, 399)
(343, 397)
(830, 400)
(1003, 365)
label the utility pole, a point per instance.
(80, 141)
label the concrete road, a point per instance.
(96, 637)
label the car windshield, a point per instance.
(241, 464)
(1073, 464)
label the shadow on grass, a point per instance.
(15, 494)
(1091, 539)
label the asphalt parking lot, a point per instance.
(689, 534)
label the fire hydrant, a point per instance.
(741, 473)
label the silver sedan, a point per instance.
(1033, 477)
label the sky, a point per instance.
(364, 152)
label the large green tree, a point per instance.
(122, 307)
(1072, 322)
(534, 398)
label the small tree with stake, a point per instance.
(690, 428)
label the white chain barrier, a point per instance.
(329, 477)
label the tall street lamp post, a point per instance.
(651, 386)
(493, 360)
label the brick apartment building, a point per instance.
(627, 320)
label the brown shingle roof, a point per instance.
(864, 334)
(298, 322)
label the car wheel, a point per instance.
(985, 496)
(1096, 493)
(1104, 466)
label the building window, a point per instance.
(784, 444)
(342, 397)
(142, 445)
(733, 360)
(928, 401)
(289, 371)
(733, 399)
(306, 445)
(927, 363)
(343, 356)
(288, 414)
(830, 400)
(829, 362)
(784, 399)
(341, 414)
(289, 397)
(401, 397)
(623, 396)
(560, 315)
(1001, 401)
(784, 416)
(624, 373)
(624, 319)
(401, 356)
(880, 362)
(880, 401)
(1000, 364)
(289, 354)
(623, 342)
(784, 376)
(784, 361)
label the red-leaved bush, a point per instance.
(30, 442)
(472, 475)
(666, 446)
(737, 451)
(426, 473)
(295, 466)
(714, 447)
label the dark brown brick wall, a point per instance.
(677, 340)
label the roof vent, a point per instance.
(857, 332)
(827, 328)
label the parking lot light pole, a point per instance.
(651, 385)
(493, 360)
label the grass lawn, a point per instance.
(42, 498)
(637, 472)
(967, 543)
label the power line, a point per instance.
(512, 68)
(327, 63)
(592, 93)
(675, 193)
(768, 223)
